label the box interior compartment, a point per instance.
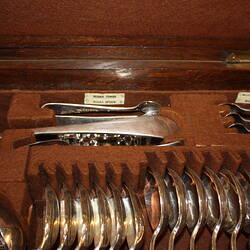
(189, 56)
(207, 142)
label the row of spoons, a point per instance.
(221, 201)
(92, 218)
(99, 219)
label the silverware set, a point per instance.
(92, 218)
(148, 128)
(107, 219)
(241, 117)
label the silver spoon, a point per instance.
(236, 108)
(157, 205)
(117, 214)
(246, 189)
(68, 218)
(51, 219)
(85, 218)
(102, 220)
(11, 233)
(176, 192)
(196, 204)
(149, 107)
(134, 221)
(216, 203)
(236, 208)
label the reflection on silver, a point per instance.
(85, 218)
(157, 205)
(222, 201)
(11, 234)
(216, 203)
(238, 117)
(237, 109)
(134, 222)
(196, 204)
(152, 126)
(236, 208)
(102, 219)
(68, 218)
(176, 191)
(117, 214)
(51, 219)
(148, 107)
(148, 129)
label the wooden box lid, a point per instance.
(196, 23)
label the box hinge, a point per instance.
(238, 58)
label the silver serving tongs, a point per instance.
(140, 130)
(68, 113)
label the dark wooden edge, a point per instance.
(115, 52)
(71, 41)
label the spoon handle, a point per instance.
(69, 108)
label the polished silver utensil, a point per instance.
(73, 119)
(11, 233)
(143, 130)
(157, 205)
(149, 107)
(68, 218)
(216, 203)
(238, 117)
(134, 221)
(156, 126)
(236, 208)
(237, 109)
(117, 215)
(176, 192)
(245, 184)
(196, 204)
(241, 128)
(102, 219)
(51, 219)
(85, 218)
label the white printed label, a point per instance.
(104, 98)
(243, 97)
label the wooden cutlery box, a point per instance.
(190, 56)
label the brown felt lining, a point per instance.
(117, 18)
(25, 170)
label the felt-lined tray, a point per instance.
(30, 166)
(207, 142)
